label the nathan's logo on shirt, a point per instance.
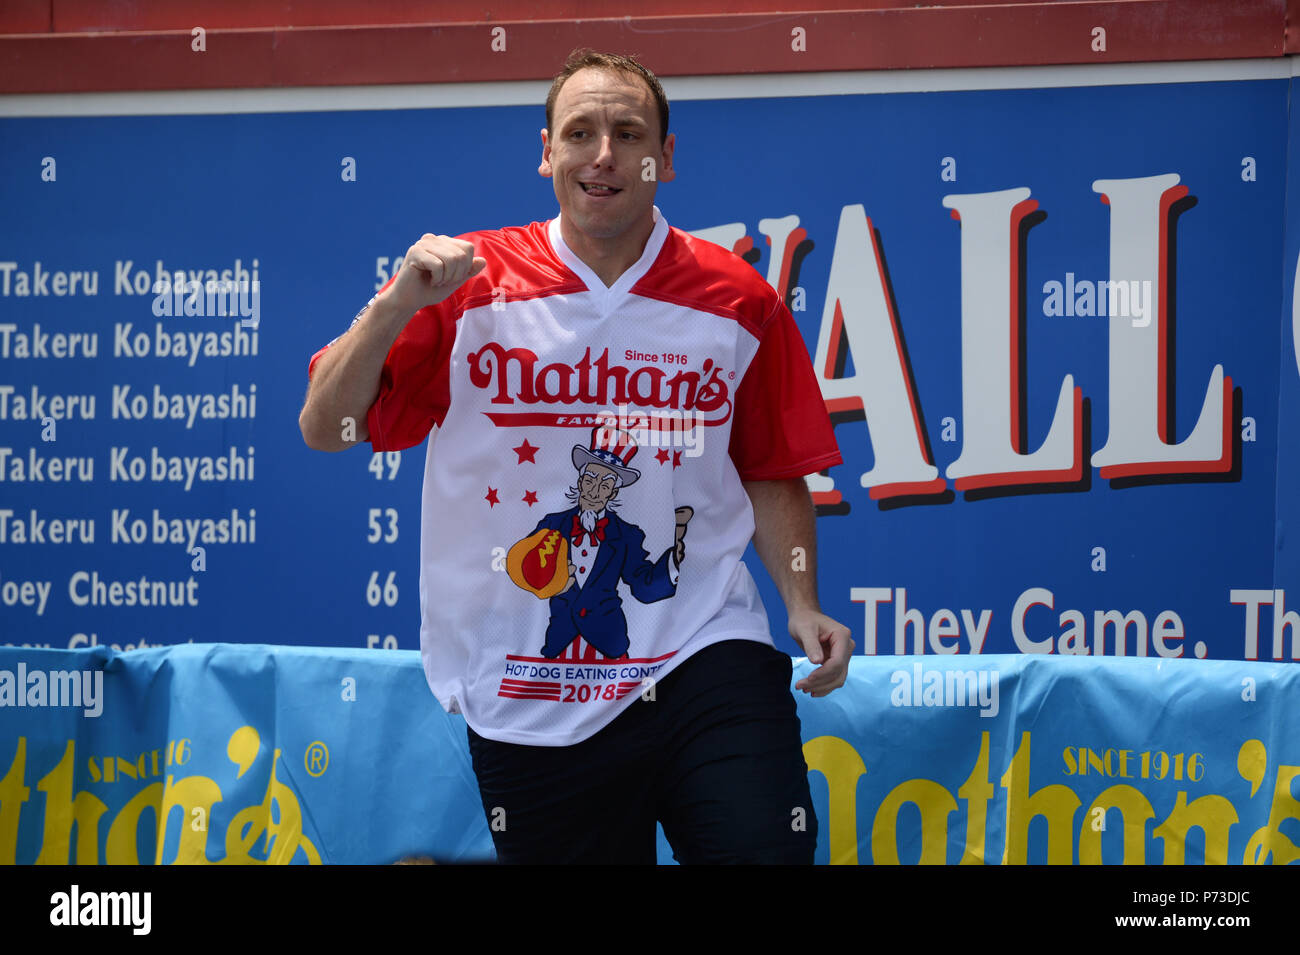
(516, 377)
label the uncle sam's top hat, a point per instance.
(612, 447)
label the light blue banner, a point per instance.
(248, 754)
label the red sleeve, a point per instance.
(414, 384)
(781, 428)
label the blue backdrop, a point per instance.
(324, 203)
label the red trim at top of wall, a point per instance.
(156, 16)
(249, 45)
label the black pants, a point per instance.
(715, 757)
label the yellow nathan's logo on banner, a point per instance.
(1067, 834)
(178, 808)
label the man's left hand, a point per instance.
(826, 642)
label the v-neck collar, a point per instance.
(608, 295)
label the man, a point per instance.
(605, 320)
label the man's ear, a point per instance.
(545, 168)
(666, 171)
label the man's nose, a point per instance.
(606, 155)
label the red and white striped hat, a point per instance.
(612, 447)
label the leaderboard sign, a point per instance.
(1053, 328)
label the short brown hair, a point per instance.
(590, 59)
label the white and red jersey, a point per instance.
(685, 378)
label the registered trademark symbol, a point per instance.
(731, 374)
(317, 759)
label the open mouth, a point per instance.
(599, 191)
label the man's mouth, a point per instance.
(597, 189)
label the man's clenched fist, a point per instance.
(432, 270)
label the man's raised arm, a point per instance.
(345, 381)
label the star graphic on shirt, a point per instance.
(491, 497)
(525, 452)
(662, 455)
(530, 498)
(677, 459)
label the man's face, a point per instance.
(606, 133)
(596, 487)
